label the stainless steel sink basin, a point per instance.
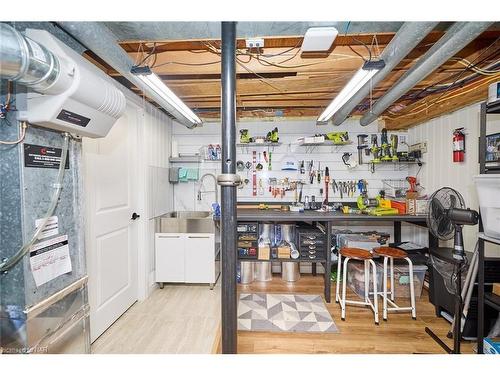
(189, 214)
(187, 222)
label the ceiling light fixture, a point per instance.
(149, 78)
(360, 78)
(319, 39)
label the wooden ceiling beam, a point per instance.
(437, 105)
(269, 42)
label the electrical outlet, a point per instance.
(254, 43)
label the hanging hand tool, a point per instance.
(254, 174)
(265, 157)
(261, 187)
(302, 168)
(269, 165)
(300, 194)
(341, 189)
(327, 182)
(361, 146)
(413, 183)
(259, 165)
(319, 172)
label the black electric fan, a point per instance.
(446, 216)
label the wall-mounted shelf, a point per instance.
(268, 145)
(311, 146)
(185, 159)
(255, 144)
(397, 165)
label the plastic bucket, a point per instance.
(488, 192)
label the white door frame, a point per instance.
(144, 242)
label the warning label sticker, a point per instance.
(36, 156)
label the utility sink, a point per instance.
(187, 222)
(189, 214)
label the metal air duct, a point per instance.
(456, 37)
(100, 40)
(406, 39)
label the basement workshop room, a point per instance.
(231, 186)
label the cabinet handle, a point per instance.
(169, 236)
(198, 236)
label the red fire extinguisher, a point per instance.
(458, 145)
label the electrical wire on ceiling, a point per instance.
(425, 106)
(360, 42)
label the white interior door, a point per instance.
(111, 234)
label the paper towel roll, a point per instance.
(175, 149)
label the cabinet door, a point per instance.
(169, 250)
(200, 258)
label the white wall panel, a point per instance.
(439, 169)
(191, 141)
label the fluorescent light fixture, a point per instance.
(359, 79)
(156, 84)
(319, 39)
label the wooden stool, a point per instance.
(364, 255)
(390, 253)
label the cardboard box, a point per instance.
(264, 253)
(411, 195)
(411, 206)
(496, 289)
(284, 252)
(491, 345)
(421, 206)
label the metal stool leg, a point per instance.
(412, 290)
(337, 287)
(375, 292)
(384, 295)
(367, 281)
(344, 285)
(392, 280)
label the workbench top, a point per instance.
(245, 214)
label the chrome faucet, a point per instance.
(215, 186)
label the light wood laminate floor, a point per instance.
(358, 333)
(174, 320)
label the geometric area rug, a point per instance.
(284, 313)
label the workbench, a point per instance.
(328, 219)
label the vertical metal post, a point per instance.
(480, 296)
(482, 139)
(228, 193)
(397, 231)
(328, 262)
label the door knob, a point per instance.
(135, 216)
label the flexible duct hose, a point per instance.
(13, 260)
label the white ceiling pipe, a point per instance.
(456, 38)
(406, 39)
(100, 40)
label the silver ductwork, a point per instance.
(27, 62)
(456, 38)
(100, 40)
(406, 39)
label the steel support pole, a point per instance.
(228, 193)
